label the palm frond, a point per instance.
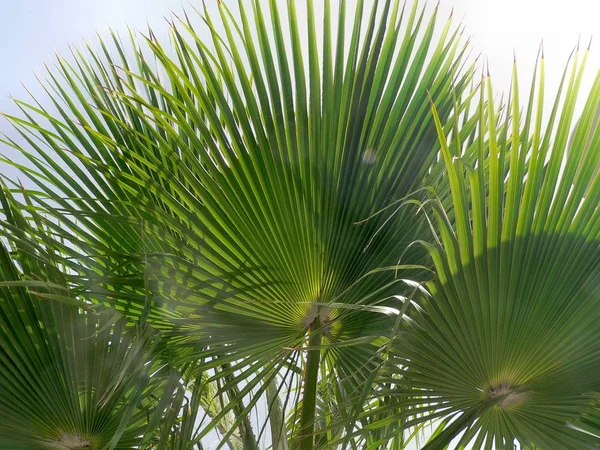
(213, 191)
(506, 347)
(71, 375)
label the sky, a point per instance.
(31, 31)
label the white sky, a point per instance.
(32, 30)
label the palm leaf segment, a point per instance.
(507, 345)
(217, 195)
(69, 379)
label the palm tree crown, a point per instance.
(333, 224)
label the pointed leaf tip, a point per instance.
(540, 54)
(429, 97)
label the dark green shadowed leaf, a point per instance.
(72, 375)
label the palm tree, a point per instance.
(218, 212)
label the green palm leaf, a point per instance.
(69, 378)
(507, 345)
(214, 191)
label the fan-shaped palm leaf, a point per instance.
(68, 378)
(507, 346)
(216, 196)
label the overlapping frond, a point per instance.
(70, 376)
(213, 190)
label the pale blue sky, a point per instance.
(32, 30)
